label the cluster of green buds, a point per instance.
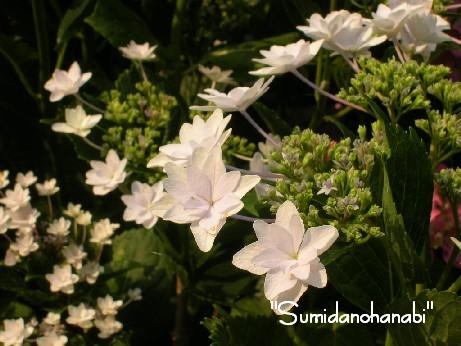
(445, 132)
(139, 122)
(236, 147)
(449, 180)
(398, 88)
(329, 181)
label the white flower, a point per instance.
(421, 34)
(48, 188)
(52, 319)
(138, 52)
(200, 134)
(24, 244)
(216, 74)
(427, 4)
(389, 20)
(62, 279)
(205, 195)
(25, 180)
(108, 306)
(102, 231)
(74, 255)
(287, 254)
(24, 217)
(90, 272)
(80, 316)
(73, 210)
(52, 339)
(108, 327)
(84, 218)
(238, 99)
(134, 294)
(4, 218)
(59, 227)
(4, 181)
(15, 199)
(345, 33)
(64, 83)
(282, 59)
(106, 176)
(77, 122)
(11, 258)
(15, 332)
(146, 204)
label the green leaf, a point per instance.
(410, 179)
(360, 275)
(119, 24)
(441, 325)
(70, 22)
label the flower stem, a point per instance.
(86, 103)
(399, 52)
(249, 218)
(180, 329)
(50, 207)
(143, 72)
(262, 175)
(326, 93)
(258, 128)
(455, 286)
(453, 7)
(92, 144)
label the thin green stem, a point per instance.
(86, 103)
(249, 218)
(326, 93)
(455, 286)
(92, 144)
(258, 128)
(50, 207)
(142, 71)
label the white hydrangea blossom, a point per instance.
(217, 75)
(205, 195)
(63, 83)
(74, 255)
(108, 306)
(287, 254)
(106, 176)
(62, 279)
(4, 181)
(90, 272)
(47, 188)
(206, 134)
(4, 220)
(107, 326)
(77, 122)
(52, 339)
(146, 203)
(14, 332)
(16, 198)
(59, 227)
(138, 52)
(283, 59)
(26, 180)
(81, 316)
(102, 231)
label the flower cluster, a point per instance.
(329, 182)
(76, 243)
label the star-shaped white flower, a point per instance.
(15, 199)
(106, 176)
(138, 52)
(108, 326)
(52, 339)
(81, 316)
(421, 34)
(64, 83)
(24, 244)
(15, 332)
(200, 134)
(73, 210)
(205, 195)
(74, 255)
(77, 122)
(25, 217)
(102, 231)
(238, 99)
(90, 272)
(108, 306)
(47, 188)
(282, 59)
(345, 33)
(287, 254)
(62, 279)
(216, 74)
(146, 203)
(26, 180)
(59, 227)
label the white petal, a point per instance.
(244, 259)
(277, 282)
